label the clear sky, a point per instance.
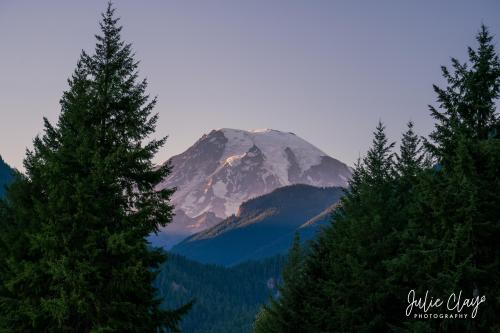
(325, 70)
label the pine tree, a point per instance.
(344, 269)
(76, 256)
(409, 224)
(360, 237)
(468, 102)
(454, 219)
(349, 268)
(379, 158)
(411, 159)
(411, 163)
(284, 314)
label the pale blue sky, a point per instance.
(325, 70)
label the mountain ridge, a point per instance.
(267, 222)
(227, 167)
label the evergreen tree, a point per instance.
(344, 269)
(351, 285)
(411, 159)
(451, 243)
(76, 258)
(378, 163)
(359, 242)
(468, 102)
(408, 224)
(411, 163)
(284, 314)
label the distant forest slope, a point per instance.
(6, 175)
(264, 226)
(227, 299)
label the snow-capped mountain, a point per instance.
(227, 167)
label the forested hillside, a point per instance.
(264, 226)
(226, 299)
(6, 175)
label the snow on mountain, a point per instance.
(228, 166)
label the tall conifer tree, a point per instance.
(358, 244)
(88, 201)
(467, 105)
(456, 220)
(411, 158)
(409, 224)
(343, 272)
(285, 313)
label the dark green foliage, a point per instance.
(451, 241)
(468, 102)
(327, 293)
(411, 159)
(283, 313)
(406, 223)
(6, 176)
(349, 258)
(74, 256)
(226, 299)
(456, 221)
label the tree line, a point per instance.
(226, 299)
(424, 219)
(73, 249)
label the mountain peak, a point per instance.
(229, 166)
(262, 130)
(254, 131)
